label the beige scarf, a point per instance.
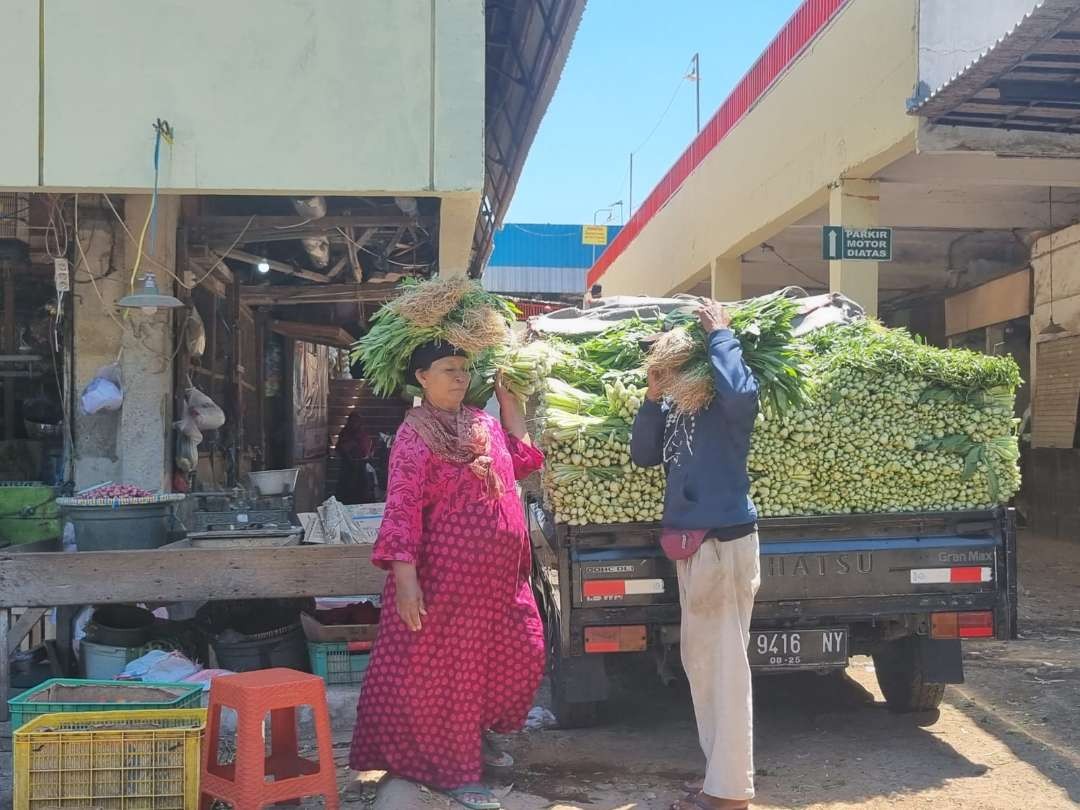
(460, 438)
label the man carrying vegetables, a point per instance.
(710, 530)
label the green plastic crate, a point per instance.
(24, 708)
(340, 662)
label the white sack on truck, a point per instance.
(816, 311)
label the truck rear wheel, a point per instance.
(570, 714)
(901, 674)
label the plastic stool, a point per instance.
(245, 783)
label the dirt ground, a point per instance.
(1008, 738)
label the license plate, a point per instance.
(798, 649)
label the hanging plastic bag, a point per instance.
(200, 413)
(195, 333)
(187, 452)
(104, 392)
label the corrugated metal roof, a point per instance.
(535, 280)
(544, 246)
(1027, 80)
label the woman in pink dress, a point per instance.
(462, 652)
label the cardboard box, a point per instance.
(315, 631)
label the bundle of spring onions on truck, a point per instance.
(881, 469)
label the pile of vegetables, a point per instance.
(589, 477)
(854, 418)
(587, 408)
(763, 326)
(894, 426)
(116, 491)
(456, 310)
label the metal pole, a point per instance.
(630, 197)
(697, 89)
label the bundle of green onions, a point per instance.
(893, 425)
(456, 310)
(896, 426)
(523, 370)
(764, 329)
(589, 477)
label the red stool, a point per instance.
(246, 783)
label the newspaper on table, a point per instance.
(335, 523)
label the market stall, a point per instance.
(177, 573)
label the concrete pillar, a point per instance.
(854, 204)
(96, 340)
(457, 225)
(146, 418)
(726, 279)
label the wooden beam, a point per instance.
(199, 371)
(219, 267)
(8, 345)
(320, 333)
(23, 626)
(235, 389)
(328, 223)
(335, 271)
(222, 231)
(185, 575)
(352, 249)
(280, 267)
(266, 295)
(261, 318)
(5, 665)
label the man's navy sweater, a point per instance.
(707, 483)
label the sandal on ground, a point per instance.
(697, 801)
(475, 797)
(493, 757)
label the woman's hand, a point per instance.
(654, 392)
(409, 598)
(511, 411)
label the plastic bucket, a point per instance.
(127, 526)
(102, 662)
(286, 648)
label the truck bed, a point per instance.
(836, 568)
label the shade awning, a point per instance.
(1029, 80)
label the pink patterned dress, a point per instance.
(479, 657)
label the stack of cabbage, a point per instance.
(894, 426)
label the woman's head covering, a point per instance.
(427, 353)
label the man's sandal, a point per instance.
(697, 801)
(475, 797)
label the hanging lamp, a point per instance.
(148, 297)
(1052, 328)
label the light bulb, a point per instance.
(149, 310)
(263, 266)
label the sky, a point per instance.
(625, 68)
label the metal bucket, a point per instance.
(127, 526)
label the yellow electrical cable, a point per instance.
(139, 248)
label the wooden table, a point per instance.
(40, 581)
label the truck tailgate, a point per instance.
(837, 569)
